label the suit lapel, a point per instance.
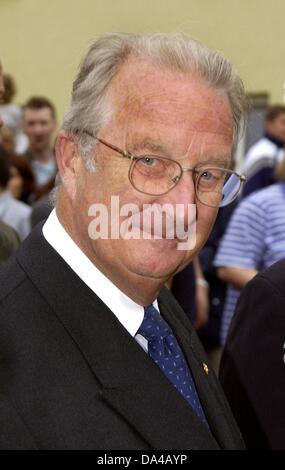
(130, 382)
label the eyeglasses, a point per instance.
(156, 176)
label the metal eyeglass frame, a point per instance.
(133, 158)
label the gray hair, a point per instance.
(89, 108)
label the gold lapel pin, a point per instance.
(206, 368)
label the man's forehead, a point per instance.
(139, 79)
(142, 91)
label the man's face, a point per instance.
(277, 127)
(171, 115)
(1, 90)
(38, 125)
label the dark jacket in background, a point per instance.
(253, 364)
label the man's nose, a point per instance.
(182, 196)
(184, 191)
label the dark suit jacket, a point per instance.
(253, 365)
(73, 378)
(41, 209)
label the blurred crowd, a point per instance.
(248, 235)
(27, 161)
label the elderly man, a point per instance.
(95, 352)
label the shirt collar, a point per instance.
(126, 310)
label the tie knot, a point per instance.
(153, 325)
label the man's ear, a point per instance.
(68, 159)
(66, 151)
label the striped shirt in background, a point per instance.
(255, 238)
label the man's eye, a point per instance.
(148, 161)
(206, 175)
(151, 166)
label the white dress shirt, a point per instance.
(129, 314)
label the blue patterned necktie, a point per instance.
(165, 351)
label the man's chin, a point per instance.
(159, 274)
(160, 265)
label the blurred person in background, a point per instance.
(9, 240)
(261, 159)
(12, 115)
(13, 212)
(7, 140)
(254, 240)
(22, 180)
(39, 124)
